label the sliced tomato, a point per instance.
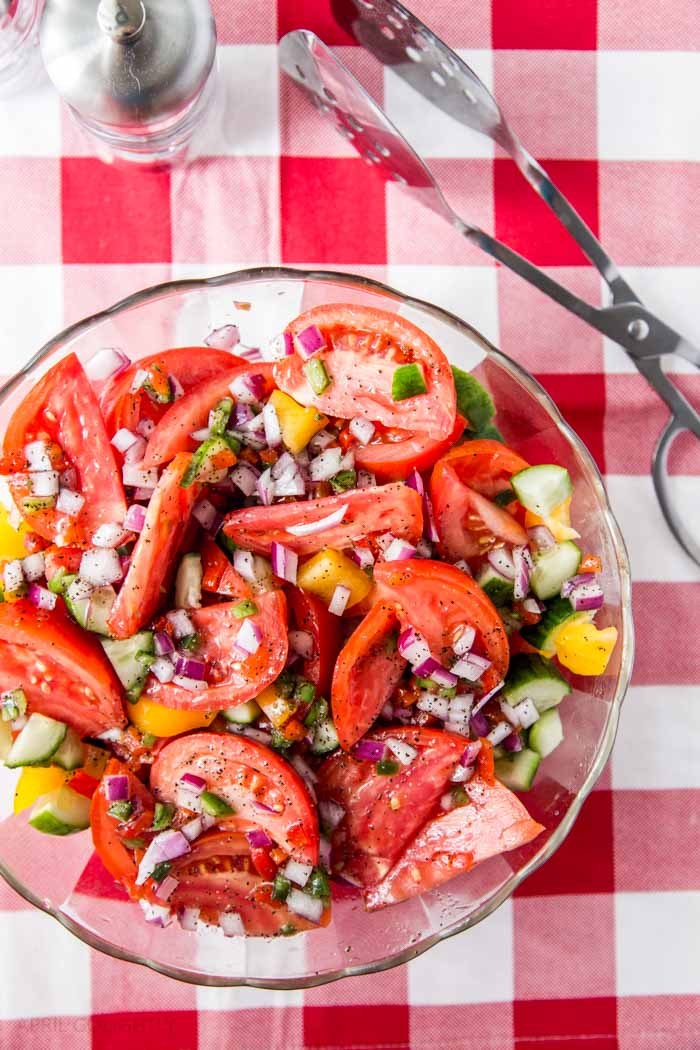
(391, 456)
(62, 408)
(108, 834)
(311, 614)
(61, 668)
(365, 346)
(154, 556)
(436, 599)
(383, 813)
(231, 680)
(462, 486)
(219, 575)
(368, 670)
(191, 412)
(260, 786)
(492, 822)
(189, 364)
(389, 508)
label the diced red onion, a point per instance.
(192, 782)
(192, 685)
(413, 646)
(108, 362)
(135, 518)
(471, 667)
(262, 806)
(526, 712)
(192, 829)
(322, 440)
(258, 838)
(176, 387)
(124, 439)
(297, 872)
(339, 600)
(479, 723)
(311, 527)
(470, 753)
(429, 526)
(423, 548)
(399, 550)
(100, 567)
(168, 845)
(188, 919)
(509, 712)
(502, 561)
(207, 515)
(279, 347)
(243, 414)
(401, 751)
(33, 567)
(145, 427)
(433, 669)
(201, 435)
(541, 537)
(36, 454)
(244, 565)
(190, 667)
(384, 540)
(156, 914)
(306, 773)
(79, 589)
(464, 640)
(231, 924)
(68, 479)
(499, 733)
(108, 535)
(142, 494)
(361, 429)
(438, 706)
(461, 774)
(265, 488)
(136, 452)
(273, 430)
(249, 636)
(569, 585)
(460, 707)
(41, 597)
(587, 596)
(139, 477)
(302, 642)
(247, 388)
(331, 813)
(415, 481)
(310, 341)
(224, 338)
(363, 556)
(116, 788)
(245, 477)
(250, 353)
(310, 908)
(326, 465)
(290, 484)
(284, 464)
(163, 644)
(180, 622)
(139, 379)
(44, 482)
(463, 566)
(514, 742)
(284, 562)
(166, 888)
(163, 669)
(369, 750)
(387, 711)
(533, 605)
(521, 584)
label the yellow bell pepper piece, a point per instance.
(583, 648)
(277, 708)
(321, 575)
(35, 781)
(159, 720)
(298, 424)
(11, 539)
(558, 522)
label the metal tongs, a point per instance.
(400, 40)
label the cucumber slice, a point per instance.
(558, 612)
(243, 714)
(33, 504)
(473, 401)
(518, 771)
(201, 466)
(5, 740)
(188, 582)
(541, 489)
(71, 753)
(552, 567)
(78, 608)
(219, 417)
(99, 609)
(61, 812)
(547, 733)
(37, 743)
(131, 658)
(325, 738)
(498, 588)
(531, 676)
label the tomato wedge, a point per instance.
(494, 821)
(219, 575)
(191, 412)
(62, 408)
(260, 786)
(368, 670)
(108, 834)
(462, 485)
(365, 347)
(383, 813)
(189, 364)
(153, 558)
(311, 614)
(389, 508)
(61, 668)
(393, 460)
(231, 680)
(436, 599)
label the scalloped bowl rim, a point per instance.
(267, 273)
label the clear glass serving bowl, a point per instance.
(61, 877)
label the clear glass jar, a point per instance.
(19, 54)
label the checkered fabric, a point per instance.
(599, 949)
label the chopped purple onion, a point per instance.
(41, 597)
(587, 596)
(258, 838)
(413, 646)
(249, 637)
(190, 667)
(541, 537)
(116, 788)
(310, 341)
(502, 561)
(224, 338)
(369, 750)
(191, 782)
(513, 742)
(415, 481)
(311, 527)
(284, 562)
(479, 723)
(135, 518)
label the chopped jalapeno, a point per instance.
(408, 381)
(315, 372)
(161, 870)
(318, 885)
(215, 806)
(121, 810)
(386, 767)
(163, 816)
(281, 887)
(244, 609)
(344, 480)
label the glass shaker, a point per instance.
(19, 55)
(137, 75)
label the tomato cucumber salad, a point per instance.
(281, 625)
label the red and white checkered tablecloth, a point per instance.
(599, 949)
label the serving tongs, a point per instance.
(400, 40)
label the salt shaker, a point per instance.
(138, 75)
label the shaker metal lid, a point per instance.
(128, 62)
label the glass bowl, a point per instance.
(62, 877)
